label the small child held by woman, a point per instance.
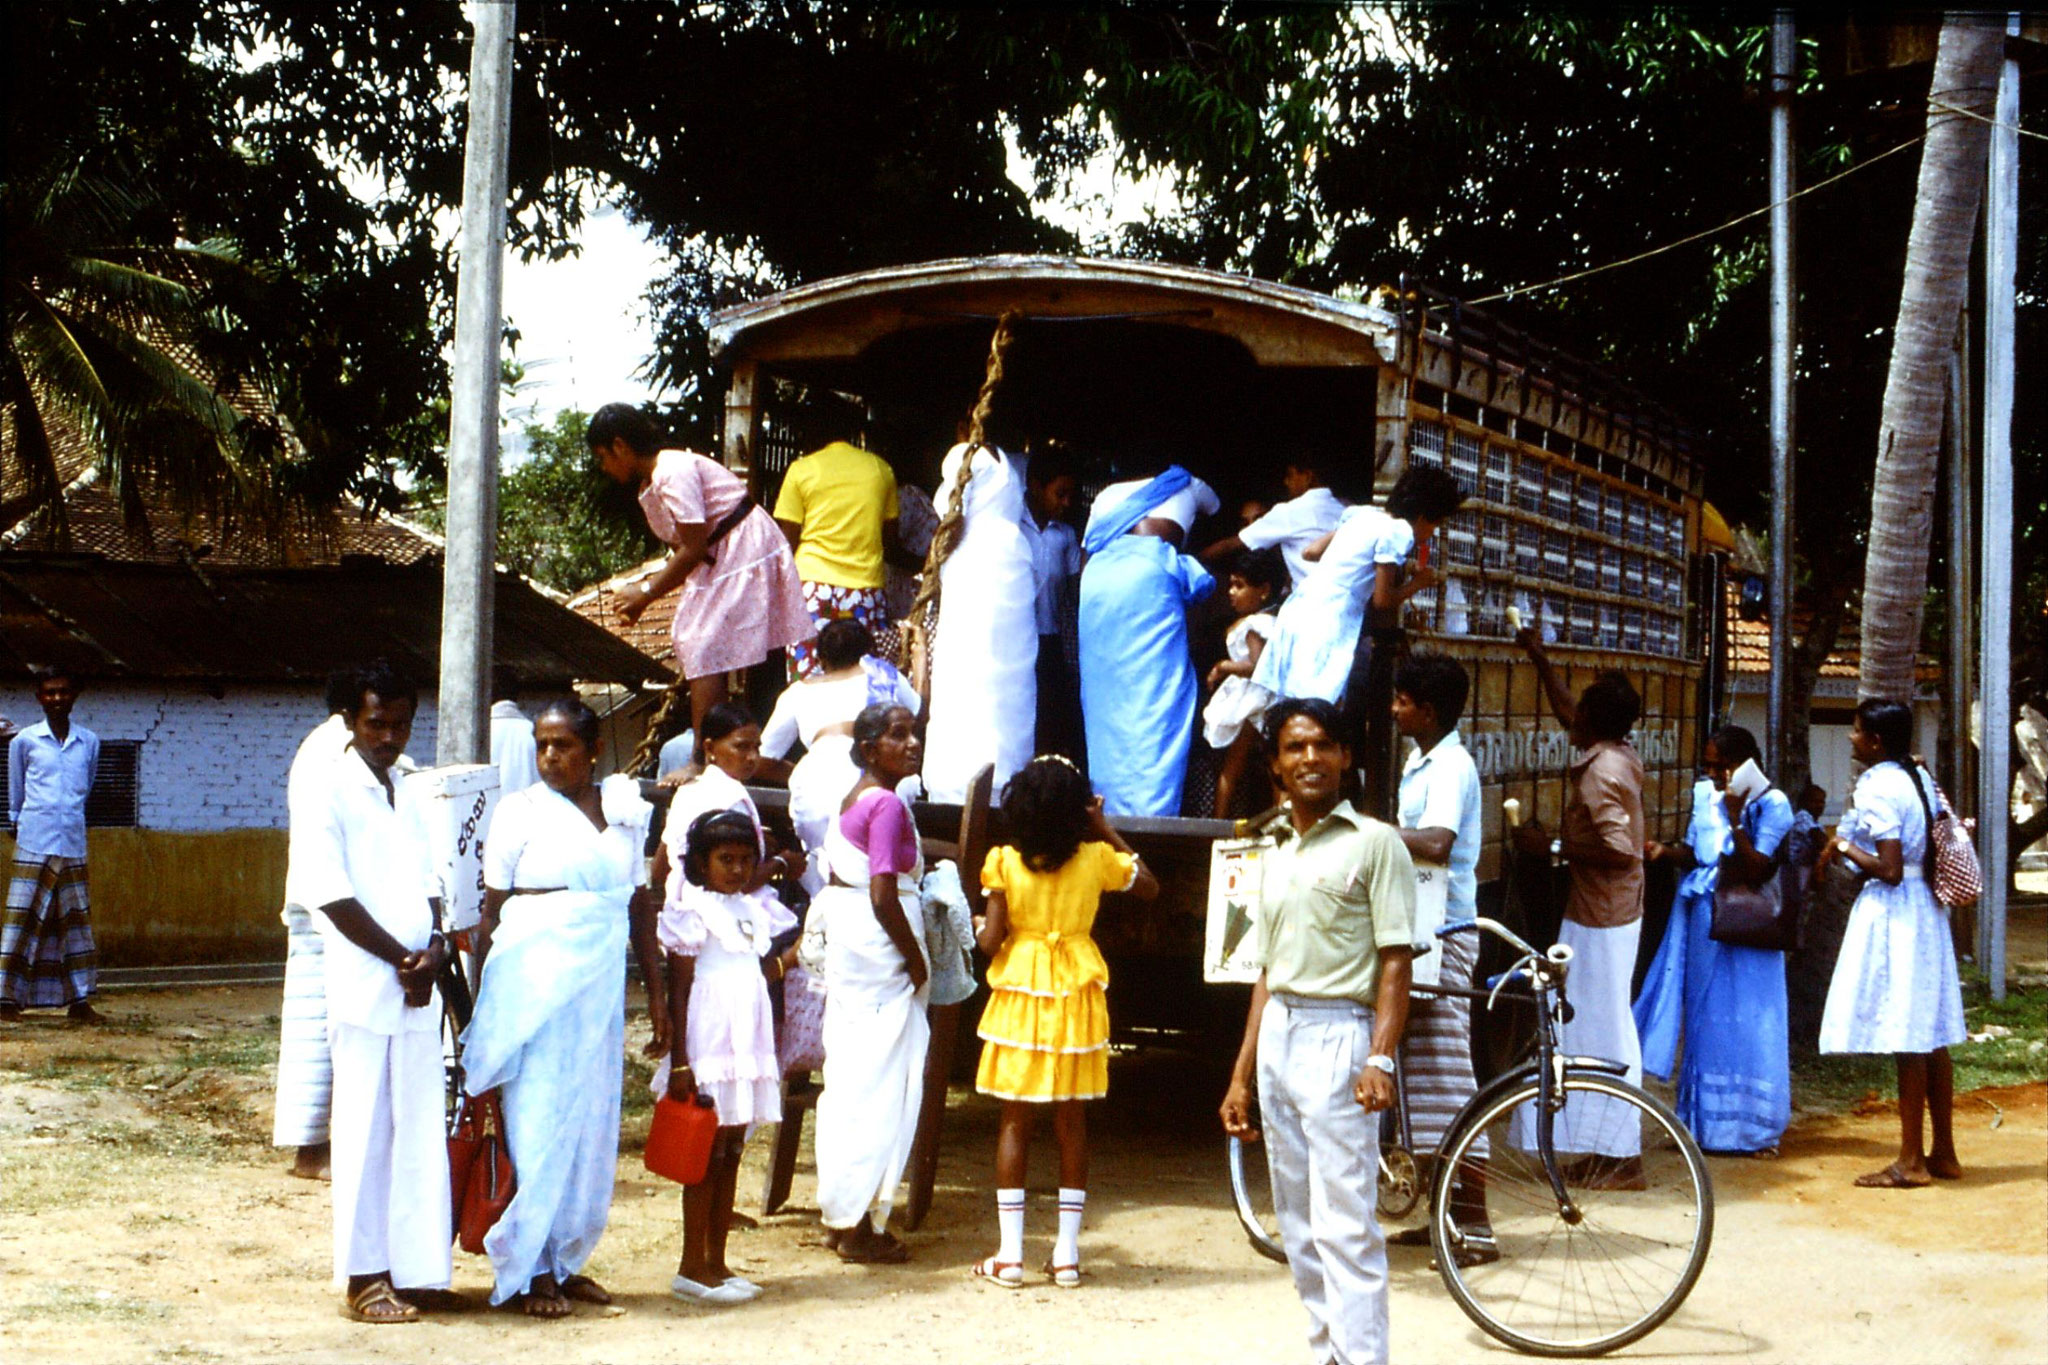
(1258, 580)
(1045, 1031)
(717, 936)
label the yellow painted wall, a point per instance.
(160, 898)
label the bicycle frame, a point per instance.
(1545, 974)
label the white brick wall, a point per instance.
(207, 763)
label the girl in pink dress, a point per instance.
(741, 597)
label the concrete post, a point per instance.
(1994, 669)
(466, 591)
(1784, 361)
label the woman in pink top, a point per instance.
(741, 595)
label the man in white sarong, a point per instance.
(366, 871)
(305, 1075)
(1601, 847)
(512, 751)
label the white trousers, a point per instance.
(867, 1117)
(1602, 1025)
(390, 1157)
(305, 1075)
(1323, 1152)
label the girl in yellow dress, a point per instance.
(1045, 1033)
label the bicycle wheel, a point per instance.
(1252, 1192)
(1621, 1262)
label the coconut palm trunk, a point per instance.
(1952, 169)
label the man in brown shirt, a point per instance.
(1601, 847)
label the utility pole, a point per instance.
(467, 596)
(1994, 671)
(1962, 576)
(1784, 357)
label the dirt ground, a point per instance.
(141, 1218)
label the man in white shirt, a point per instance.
(512, 747)
(47, 956)
(1310, 513)
(363, 866)
(1050, 483)
(1439, 815)
(305, 1075)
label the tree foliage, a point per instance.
(560, 522)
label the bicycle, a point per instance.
(1580, 1256)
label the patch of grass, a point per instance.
(75, 1071)
(143, 1221)
(77, 1302)
(243, 1051)
(2018, 1057)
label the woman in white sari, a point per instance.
(562, 877)
(819, 711)
(983, 694)
(875, 971)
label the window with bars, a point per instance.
(1499, 486)
(1638, 514)
(1426, 444)
(1562, 489)
(1613, 519)
(1528, 549)
(1496, 552)
(115, 801)
(1529, 480)
(1464, 461)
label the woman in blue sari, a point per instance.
(1137, 678)
(1726, 1004)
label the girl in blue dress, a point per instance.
(1725, 1003)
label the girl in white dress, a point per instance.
(984, 660)
(1230, 722)
(1895, 987)
(819, 711)
(717, 935)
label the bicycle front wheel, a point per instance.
(1609, 1264)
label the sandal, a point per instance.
(1890, 1178)
(1065, 1276)
(378, 1303)
(883, 1248)
(1001, 1274)
(583, 1289)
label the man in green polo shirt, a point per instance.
(1336, 914)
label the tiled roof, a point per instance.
(1749, 645)
(109, 619)
(99, 528)
(650, 634)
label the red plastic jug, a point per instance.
(679, 1142)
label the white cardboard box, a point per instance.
(451, 809)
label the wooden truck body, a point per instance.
(1585, 511)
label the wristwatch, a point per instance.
(1380, 1061)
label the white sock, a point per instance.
(1067, 1250)
(1010, 1226)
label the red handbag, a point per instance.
(481, 1181)
(679, 1141)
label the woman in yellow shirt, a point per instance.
(1045, 1032)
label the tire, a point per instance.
(1251, 1192)
(1584, 1286)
